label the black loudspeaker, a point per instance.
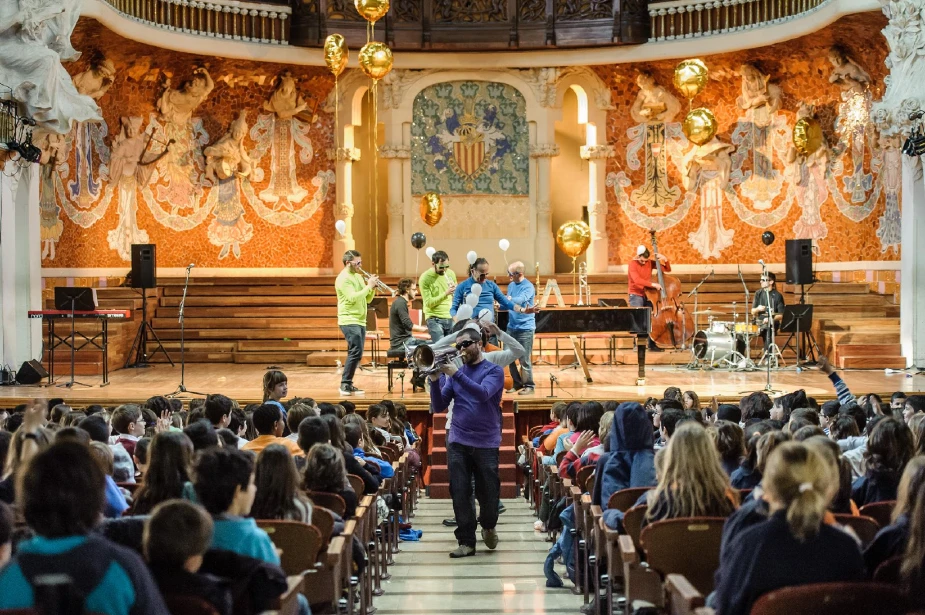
(799, 261)
(144, 265)
(31, 372)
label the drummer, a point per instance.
(768, 298)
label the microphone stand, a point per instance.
(695, 362)
(553, 381)
(182, 388)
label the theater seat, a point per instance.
(832, 599)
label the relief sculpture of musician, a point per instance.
(768, 298)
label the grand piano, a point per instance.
(572, 322)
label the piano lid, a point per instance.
(578, 320)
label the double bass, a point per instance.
(672, 325)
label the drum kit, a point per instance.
(723, 343)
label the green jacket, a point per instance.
(352, 298)
(433, 289)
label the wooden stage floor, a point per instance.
(244, 382)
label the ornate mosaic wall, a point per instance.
(712, 203)
(220, 162)
(470, 137)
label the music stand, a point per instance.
(798, 321)
(74, 299)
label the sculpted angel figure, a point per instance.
(848, 74)
(756, 91)
(285, 101)
(32, 44)
(96, 80)
(653, 104)
(177, 106)
(228, 156)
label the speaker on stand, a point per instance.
(799, 270)
(144, 276)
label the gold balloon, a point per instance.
(335, 54)
(431, 208)
(699, 126)
(807, 136)
(690, 77)
(375, 60)
(372, 10)
(573, 238)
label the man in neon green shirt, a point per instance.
(353, 295)
(437, 285)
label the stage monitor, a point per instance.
(77, 298)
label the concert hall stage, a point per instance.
(243, 382)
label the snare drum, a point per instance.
(714, 347)
(743, 327)
(720, 326)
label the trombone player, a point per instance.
(354, 294)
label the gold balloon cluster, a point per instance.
(431, 208)
(699, 126)
(807, 136)
(573, 238)
(335, 54)
(372, 10)
(690, 77)
(376, 60)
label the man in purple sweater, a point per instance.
(475, 440)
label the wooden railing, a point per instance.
(681, 19)
(251, 22)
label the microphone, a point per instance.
(190, 266)
(761, 262)
(713, 272)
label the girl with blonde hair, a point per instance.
(692, 483)
(794, 546)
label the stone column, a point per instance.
(912, 269)
(343, 208)
(545, 234)
(597, 156)
(20, 264)
(395, 243)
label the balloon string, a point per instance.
(375, 135)
(336, 119)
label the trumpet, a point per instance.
(380, 285)
(426, 360)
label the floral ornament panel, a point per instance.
(470, 137)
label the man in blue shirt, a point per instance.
(474, 441)
(478, 274)
(521, 326)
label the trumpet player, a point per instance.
(353, 295)
(437, 286)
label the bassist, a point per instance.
(639, 272)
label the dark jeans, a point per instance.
(356, 338)
(439, 327)
(526, 366)
(466, 463)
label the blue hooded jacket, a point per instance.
(631, 460)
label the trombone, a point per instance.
(380, 285)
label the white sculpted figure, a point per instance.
(756, 91)
(96, 80)
(848, 74)
(34, 39)
(653, 104)
(285, 101)
(707, 168)
(177, 106)
(228, 156)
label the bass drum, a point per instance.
(713, 347)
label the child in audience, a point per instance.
(369, 449)
(889, 448)
(278, 493)
(693, 483)
(176, 537)
(353, 433)
(296, 414)
(168, 472)
(116, 503)
(891, 540)
(371, 481)
(794, 546)
(630, 462)
(270, 421)
(128, 425)
(201, 433)
(140, 458)
(586, 436)
(325, 473)
(224, 483)
(28, 439)
(691, 401)
(61, 498)
(747, 475)
(730, 444)
(275, 388)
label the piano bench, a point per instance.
(611, 346)
(400, 363)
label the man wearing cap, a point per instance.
(768, 298)
(639, 272)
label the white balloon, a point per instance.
(471, 256)
(464, 312)
(430, 251)
(504, 244)
(472, 300)
(476, 289)
(341, 227)
(486, 315)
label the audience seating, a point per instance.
(640, 582)
(687, 546)
(881, 512)
(299, 542)
(190, 605)
(682, 597)
(832, 599)
(625, 498)
(357, 483)
(289, 601)
(865, 527)
(889, 571)
(323, 521)
(632, 521)
(331, 501)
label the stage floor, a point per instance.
(244, 383)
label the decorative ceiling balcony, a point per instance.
(466, 25)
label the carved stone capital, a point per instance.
(597, 208)
(544, 150)
(543, 208)
(396, 209)
(344, 154)
(905, 85)
(343, 210)
(402, 152)
(598, 152)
